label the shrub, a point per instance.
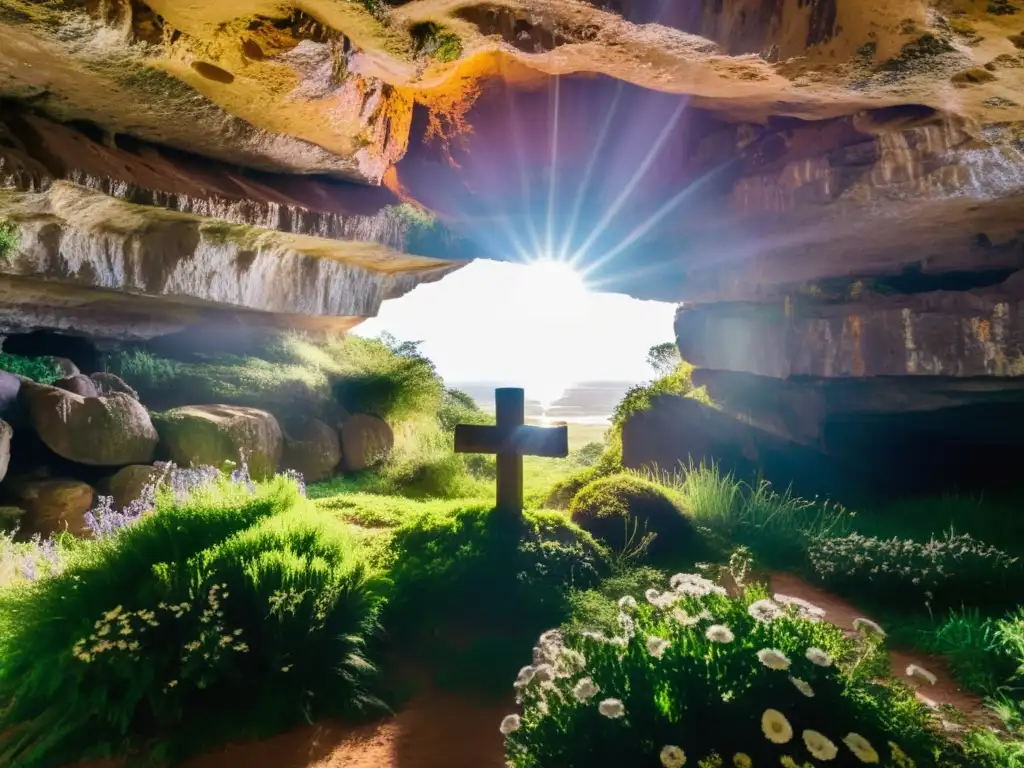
(694, 677)
(385, 378)
(232, 602)
(436, 41)
(944, 572)
(622, 507)
(459, 408)
(587, 455)
(468, 575)
(45, 370)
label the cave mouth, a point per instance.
(78, 349)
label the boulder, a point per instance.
(109, 383)
(78, 384)
(311, 448)
(365, 441)
(217, 434)
(6, 433)
(52, 506)
(67, 367)
(128, 484)
(99, 431)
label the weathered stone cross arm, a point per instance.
(510, 439)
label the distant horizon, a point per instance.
(511, 324)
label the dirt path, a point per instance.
(433, 730)
(842, 613)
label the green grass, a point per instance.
(251, 607)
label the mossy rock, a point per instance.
(98, 431)
(617, 508)
(217, 435)
(129, 483)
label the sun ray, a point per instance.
(641, 230)
(521, 155)
(633, 182)
(549, 235)
(570, 231)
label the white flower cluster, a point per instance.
(121, 630)
(116, 630)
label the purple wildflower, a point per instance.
(296, 476)
(241, 475)
(28, 567)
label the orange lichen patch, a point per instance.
(853, 331)
(982, 329)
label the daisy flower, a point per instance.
(773, 659)
(510, 724)
(719, 633)
(656, 646)
(861, 748)
(818, 657)
(672, 757)
(868, 627)
(802, 686)
(611, 708)
(776, 727)
(820, 747)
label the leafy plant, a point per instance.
(946, 572)
(45, 370)
(695, 677)
(9, 240)
(664, 358)
(436, 41)
(233, 602)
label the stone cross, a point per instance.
(511, 439)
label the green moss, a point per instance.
(224, 232)
(9, 241)
(438, 42)
(621, 510)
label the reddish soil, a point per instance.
(433, 730)
(842, 614)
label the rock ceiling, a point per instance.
(284, 159)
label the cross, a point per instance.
(511, 439)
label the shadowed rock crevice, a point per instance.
(526, 31)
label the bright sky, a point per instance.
(533, 326)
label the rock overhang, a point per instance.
(798, 144)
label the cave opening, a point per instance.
(78, 349)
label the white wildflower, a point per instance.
(803, 686)
(172, 683)
(510, 724)
(719, 633)
(525, 676)
(585, 689)
(652, 596)
(543, 673)
(611, 708)
(868, 627)
(656, 646)
(920, 673)
(820, 747)
(773, 659)
(627, 603)
(112, 614)
(287, 668)
(776, 727)
(861, 748)
(672, 757)
(764, 610)
(818, 657)
(618, 642)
